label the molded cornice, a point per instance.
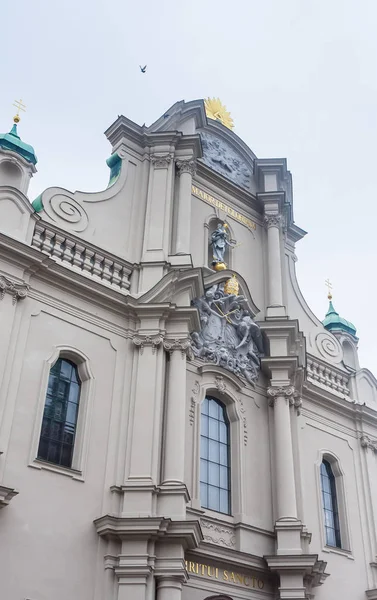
(187, 533)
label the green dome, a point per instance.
(333, 322)
(12, 141)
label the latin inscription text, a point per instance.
(224, 575)
(222, 206)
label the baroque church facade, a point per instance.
(175, 422)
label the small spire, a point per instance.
(20, 106)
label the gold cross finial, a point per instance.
(20, 106)
(329, 288)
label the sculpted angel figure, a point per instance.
(219, 242)
(251, 337)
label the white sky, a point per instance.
(299, 78)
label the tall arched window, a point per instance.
(330, 505)
(58, 432)
(214, 457)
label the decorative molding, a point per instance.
(161, 161)
(220, 383)
(272, 221)
(366, 442)
(194, 399)
(18, 290)
(147, 340)
(288, 392)
(183, 345)
(218, 534)
(186, 166)
(244, 420)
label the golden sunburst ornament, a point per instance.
(216, 110)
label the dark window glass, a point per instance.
(60, 414)
(330, 505)
(214, 457)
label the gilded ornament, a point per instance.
(216, 110)
(232, 286)
(220, 266)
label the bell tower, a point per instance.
(17, 159)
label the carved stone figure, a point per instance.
(221, 157)
(229, 337)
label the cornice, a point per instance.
(188, 533)
(340, 406)
(234, 559)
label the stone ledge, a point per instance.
(187, 533)
(6, 495)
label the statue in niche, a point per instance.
(219, 242)
(229, 337)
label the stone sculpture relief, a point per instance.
(229, 337)
(221, 157)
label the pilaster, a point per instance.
(271, 174)
(369, 468)
(173, 495)
(186, 168)
(144, 429)
(157, 223)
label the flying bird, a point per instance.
(143, 69)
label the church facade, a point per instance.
(175, 422)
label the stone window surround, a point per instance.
(80, 452)
(228, 397)
(338, 472)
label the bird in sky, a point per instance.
(143, 69)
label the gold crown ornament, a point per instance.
(232, 286)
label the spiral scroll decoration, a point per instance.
(329, 347)
(65, 210)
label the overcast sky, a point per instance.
(299, 78)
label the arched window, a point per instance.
(58, 432)
(330, 505)
(214, 457)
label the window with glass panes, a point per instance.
(330, 505)
(214, 457)
(60, 414)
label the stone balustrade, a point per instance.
(327, 376)
(82, 256)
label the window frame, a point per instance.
(81, 443)
(334, 510)
(339, 482)
(222, 406)
(230, 399)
